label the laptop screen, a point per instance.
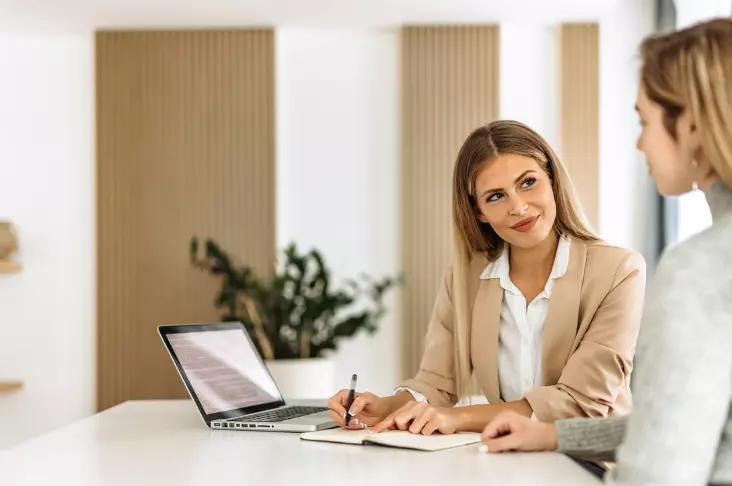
(224, 369)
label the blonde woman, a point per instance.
(535, 306)
(679, 432)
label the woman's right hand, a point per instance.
(367, 409)
(510, 431)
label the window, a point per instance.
(692, 215)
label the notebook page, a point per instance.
(434, 442)
(340, 435)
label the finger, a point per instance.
(404, 418)
(511, 442)
(420, 419)
(335, 404)
(385, 424)
(360, 402)
(496, 431)
(429, 428)
(355, 424)
(390, 421)
(501, 425)
(338, 419)
(345, 393)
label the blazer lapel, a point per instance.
(484, 343)
(560, 328)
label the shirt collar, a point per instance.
(500, 268)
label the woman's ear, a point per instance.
(687, 132)
(479, 215)
(694, 139)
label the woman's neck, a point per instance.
(538, 259)
(708, 181)
(707, 176)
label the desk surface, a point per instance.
(165, 443)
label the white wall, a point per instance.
(529, 93)
(338, 187)
(528, 76)
(47, 190)
(178, 14)
(625, 190)
(338, 154)
(338, 166)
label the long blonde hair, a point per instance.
(692, 69)
(472, 236)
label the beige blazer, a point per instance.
(588, 342)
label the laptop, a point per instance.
(231, 386)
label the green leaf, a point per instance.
(296, 298)
(193, 249)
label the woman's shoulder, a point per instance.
(692, 283)
(606, 257)
(704, 256)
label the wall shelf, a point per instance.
(10, 267)
(10, 386)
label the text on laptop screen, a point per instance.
(223, 369)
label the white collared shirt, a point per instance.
(521, 327)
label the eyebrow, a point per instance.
(517, 179)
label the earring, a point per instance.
(694, 165)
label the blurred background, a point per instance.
(129, 127)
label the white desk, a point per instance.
(165, 443)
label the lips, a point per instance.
(525, 225)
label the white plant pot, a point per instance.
(312, 378)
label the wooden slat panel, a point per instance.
(450, 87)
(185, 145)
(10, 386)
(579, 110)
(8, 266)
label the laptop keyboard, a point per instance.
(280, 414)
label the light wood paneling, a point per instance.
(10, 386)
(579, 110)
(8, 266)
(450, 87)
(185, 146)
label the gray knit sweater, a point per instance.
(680, 431)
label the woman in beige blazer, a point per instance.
(543, 314)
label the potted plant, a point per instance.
(294, 317)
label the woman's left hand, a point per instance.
(421, 418)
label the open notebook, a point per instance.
(394, 438)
